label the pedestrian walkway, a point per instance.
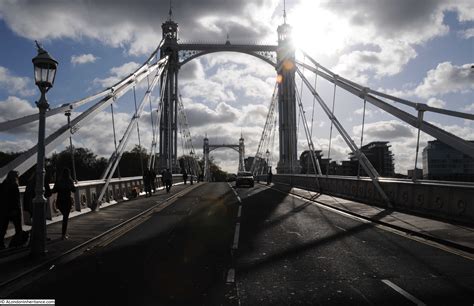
(450, 234)
(14, 263)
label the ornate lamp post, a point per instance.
(45, 71)
(193, 168)
(268, 157)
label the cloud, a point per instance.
(83, 59)
(387, 62)
(199, 114)
(136, 27)
(469, 108)
(436, 103)
(15, 85)
(384, 130)
(446, 78)
(466, 34)
(117, 74)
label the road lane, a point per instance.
(292, 251)
(178, 256)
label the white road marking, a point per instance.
(238, 198)
(239, 212)
(342, 229)
(235, 246)
(231, 276)
(403, 292)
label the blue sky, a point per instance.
(419, 50)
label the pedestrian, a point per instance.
(185, 175)
(10, 210)
(163, 177)
(147, 182)
(152, 180)
(269, 177)
(168, 178)
(30, 193)
(63, 187)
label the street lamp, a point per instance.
(45, 72)
(268, 157)
(193, 165)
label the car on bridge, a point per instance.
(244, 178)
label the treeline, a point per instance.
(89, 166)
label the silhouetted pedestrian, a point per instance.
(269, 177)
(168, 178)
(163, 177)
(63, 187)
(30, 193)
(152, 180)
(185, 175)
(147, 183)
(10, 210)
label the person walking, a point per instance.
(168, 178)
(10, 210)
(152, 180)
(269, 177)
(30, 193)
(185, 176)
(147, 182)
(63, 187)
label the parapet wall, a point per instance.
(448, 200)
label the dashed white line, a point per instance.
(239, 199)
(235, 245)
(403, 292)
(239, 212)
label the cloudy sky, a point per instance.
(419, 50)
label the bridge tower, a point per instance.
(286, 68)
(241, 153)
(169, 85)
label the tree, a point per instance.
(132, 163)
(88, 165)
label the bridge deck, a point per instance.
(271, 227)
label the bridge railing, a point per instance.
(441, 199)
(87, 192)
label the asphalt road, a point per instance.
(294, 252)
(283, 250)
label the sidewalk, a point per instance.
(81, 229)
(449, 234)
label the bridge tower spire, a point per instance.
(286, 69)
(169, 81)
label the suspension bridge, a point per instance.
(296, 239)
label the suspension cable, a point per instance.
(330, 130)
(314, 101)
(362, 133)
(138, 130)
(115, 136)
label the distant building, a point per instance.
(415, 173)
(307, 164)
(379, 155)
(442, 162)
(377, 152)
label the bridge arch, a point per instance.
(257, 55)
(207, 148)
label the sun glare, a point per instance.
(316, 30)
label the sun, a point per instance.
(317, 30)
